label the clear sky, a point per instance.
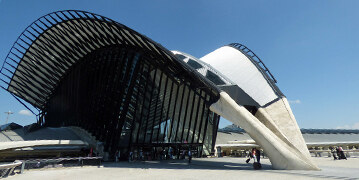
(311, 47)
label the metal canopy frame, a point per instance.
(79, 68)
(44, 52)
(260, 66)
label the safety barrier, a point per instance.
(37, 163)
(8, 169)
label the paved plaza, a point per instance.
(204, 168)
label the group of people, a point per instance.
(157, 154)
(255, 154)
(338, 153)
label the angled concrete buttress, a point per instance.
(251, 100)
(282, 153)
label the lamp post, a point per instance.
(8, 114)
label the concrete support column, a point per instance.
(281, 152)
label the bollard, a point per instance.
(22, 167)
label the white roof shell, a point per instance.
(241, 70)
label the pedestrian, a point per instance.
(116, 156)
(258, 155)
(254, 155)
(130, 156)
(164, 154)
(90, 154)
(334, 153)
(141, 155)
(250, 156)
(119, 154)
(338, 153)
(341, 152)
(170, 152)
(189, 156)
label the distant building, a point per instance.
(234, 141)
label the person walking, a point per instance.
(250, 156)
(258, 155)
(334, 153)
(141, 155)
(117, 155)
(189, 156)
(130, 157)
(341, 152)
(183, 155)
(338, 152)
(254, 155)
(170, 152)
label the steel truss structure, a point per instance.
(260, 66)
(81, 69)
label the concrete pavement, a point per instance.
(204, 168)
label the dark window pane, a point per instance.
(180, 56)
(214, 78)
(194, 64)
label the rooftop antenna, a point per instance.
(8, 114)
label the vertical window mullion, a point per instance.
(180, 111)
(155, 113)
(174, 111)
(202, 120)
(168, 112)
(150, 103)
(162, 109)
(185, 114)
(191, 118)
(143, 103)
(196, 117)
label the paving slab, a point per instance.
(203, 168)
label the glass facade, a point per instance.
(135, 104)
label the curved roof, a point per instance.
(237, 70)
(47, 49)
(255, 59)
(218, 79)
(204, 68)
(247, 71)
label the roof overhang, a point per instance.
(47, 50)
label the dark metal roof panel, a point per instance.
(49, 47)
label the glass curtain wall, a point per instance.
(125, 100)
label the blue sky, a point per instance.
(311, 47)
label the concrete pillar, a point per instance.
(281, 152)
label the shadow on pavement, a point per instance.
(183, 164)
(218, 164)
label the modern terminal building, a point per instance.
(81, 69)
(84, 70)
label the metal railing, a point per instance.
(8, 169)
